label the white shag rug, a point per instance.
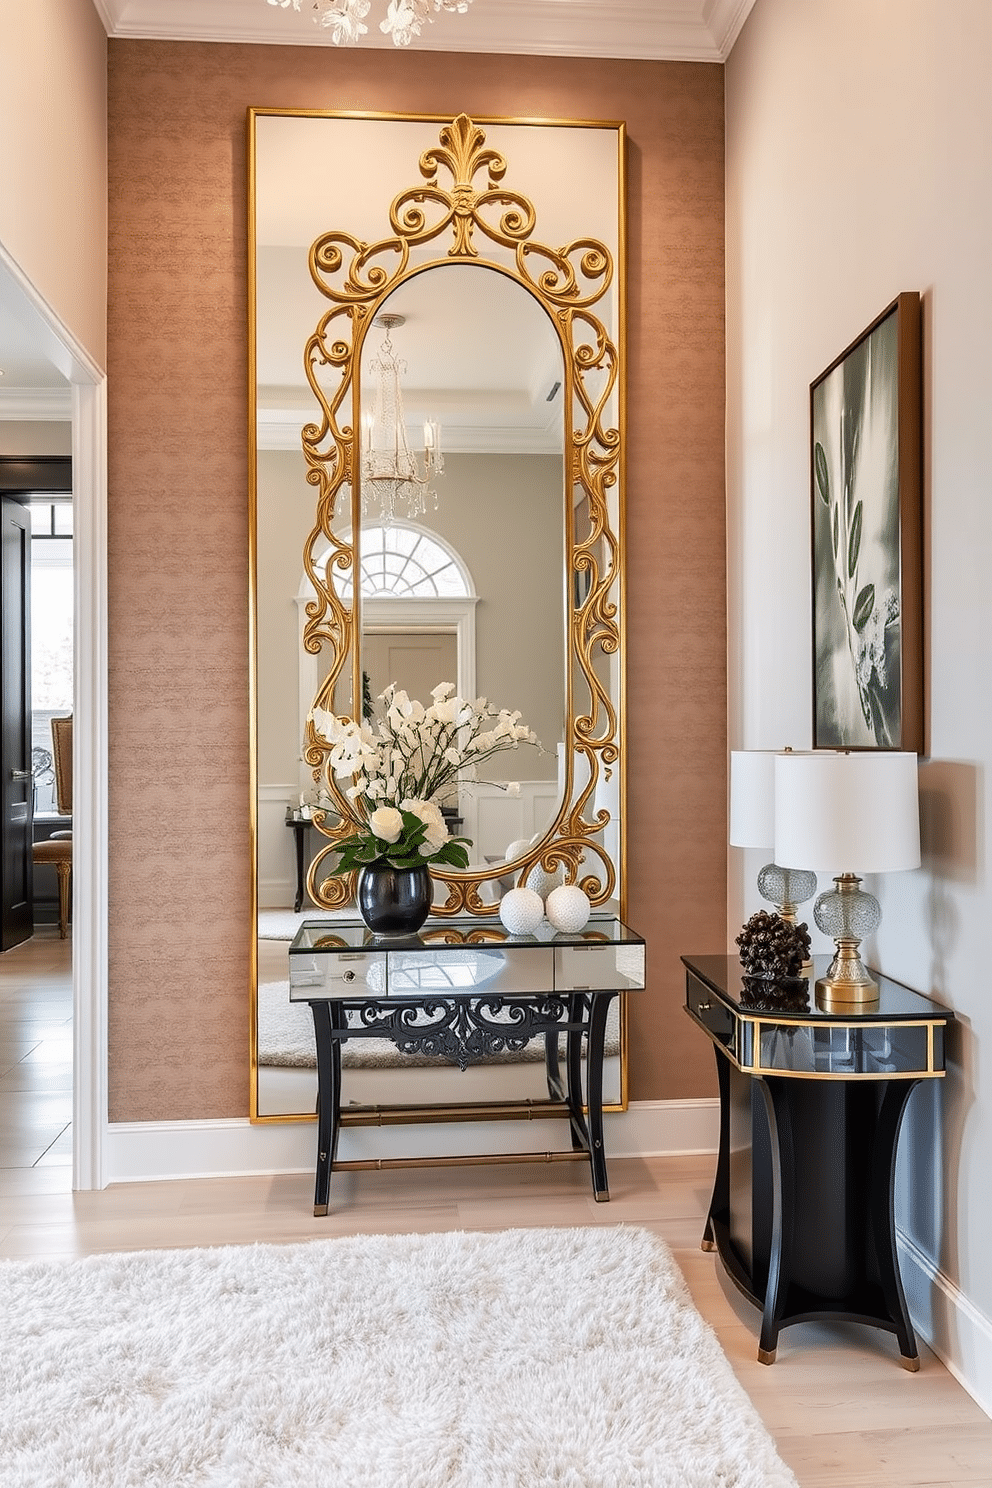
(556, 1358)
(282, 924)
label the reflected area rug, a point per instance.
(556, 1358)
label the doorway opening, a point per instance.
(36, 988)
(52, 581)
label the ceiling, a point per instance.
(673, 30)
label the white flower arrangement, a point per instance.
(402, 766)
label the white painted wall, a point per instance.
(53, 159)
(859, 164)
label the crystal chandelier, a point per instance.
(391, 474)
(405, 19)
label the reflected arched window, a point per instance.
(403, 561)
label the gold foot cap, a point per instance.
(707, 1245)
(766, 1356)
(319, 1210)
(912, 1365)
(604, 1197)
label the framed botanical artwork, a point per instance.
(866, 477)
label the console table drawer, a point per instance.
(337, 973)
(599, 968)
(704, 1005)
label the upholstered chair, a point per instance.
(58, 848)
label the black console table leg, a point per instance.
(782, 1195)
(328, 1099)
(882, 1215)
(299, 833)
(720, 1199)
(573, 1076)
(596, 1038)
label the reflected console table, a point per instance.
(462, 990)
(811, 1103)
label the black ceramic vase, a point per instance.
(394, 901)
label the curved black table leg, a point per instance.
(882, 1215)
(720, 1200)
(573, 1071)
(599, 1007)
(326, 1018)
(783, 1191)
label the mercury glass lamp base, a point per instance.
(847, 986)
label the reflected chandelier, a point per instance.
(391, 474)
(404, 18)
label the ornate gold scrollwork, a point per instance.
(568, 281)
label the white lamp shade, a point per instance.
(752, 798)
(847, 813)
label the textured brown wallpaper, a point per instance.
(178, 554)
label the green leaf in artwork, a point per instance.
(864, 606)
(854, 541)
(821, 472)
(836, 531)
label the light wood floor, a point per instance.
(840, 1408)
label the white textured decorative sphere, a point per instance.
(542, 882)
(567, 908)
(521, 911)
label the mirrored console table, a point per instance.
(811, 1102)
(461, 990)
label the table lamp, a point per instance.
(849, 814)
(752, 824)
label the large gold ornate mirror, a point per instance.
(482, 262)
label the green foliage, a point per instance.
(364, 847)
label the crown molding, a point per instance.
(724, 20)
(36, 405)
(677, 30)
(282, 432)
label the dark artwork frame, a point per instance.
(866, 476)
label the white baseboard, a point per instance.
(957, 1331)
(147, 1151)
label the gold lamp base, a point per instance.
(847, 986)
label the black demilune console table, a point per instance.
(463, 990)
(811, 1103)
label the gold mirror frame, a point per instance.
(567, 282)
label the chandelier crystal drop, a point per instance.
(405, 19)
(391, 474)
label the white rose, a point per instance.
(430, 814)
(386, 823)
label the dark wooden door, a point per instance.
(16, 799)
